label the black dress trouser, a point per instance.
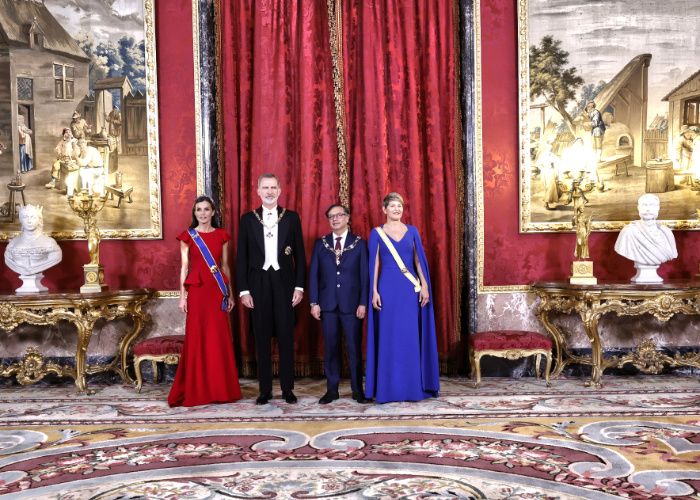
(273, 316)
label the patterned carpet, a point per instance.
(639, 438)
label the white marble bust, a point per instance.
(32, 251)
(646, 242)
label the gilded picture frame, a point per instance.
(89, 68)
(609, 109)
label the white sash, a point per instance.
(397, 258)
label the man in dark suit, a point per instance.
(270, 272)
(338, 291)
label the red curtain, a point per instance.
(278, 116)
(401, 104)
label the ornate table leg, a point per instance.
(590, 325)
(84, 325)
(140, 319)
(557, 336)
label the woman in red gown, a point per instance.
(207, 370)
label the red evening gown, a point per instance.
(207, 370)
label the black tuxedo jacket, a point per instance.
(251, 249)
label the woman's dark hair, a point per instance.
(214, 220)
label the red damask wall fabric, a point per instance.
(401, 100)
(156, 263)
(401, 104)
(511, 258)
(278, 116)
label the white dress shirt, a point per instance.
(343, 237)
(269, 215)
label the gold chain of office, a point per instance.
(270, 226)
(338, 253)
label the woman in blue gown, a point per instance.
(402, 360)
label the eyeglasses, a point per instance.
(337, 216)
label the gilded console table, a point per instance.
(591, 302)
(83, 311)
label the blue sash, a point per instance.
(215, 271)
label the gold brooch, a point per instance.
(288, 251)
(214, 269)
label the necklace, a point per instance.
(270, 226)
(339, 253)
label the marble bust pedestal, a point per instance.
(31, 284)
(646, 274)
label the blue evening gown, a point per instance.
(402, 361)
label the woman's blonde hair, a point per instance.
(393, 196)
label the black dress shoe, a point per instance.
(263, 399)
(289, 397)
(328, 398)
(360, 398)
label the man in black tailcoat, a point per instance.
(270, 272)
